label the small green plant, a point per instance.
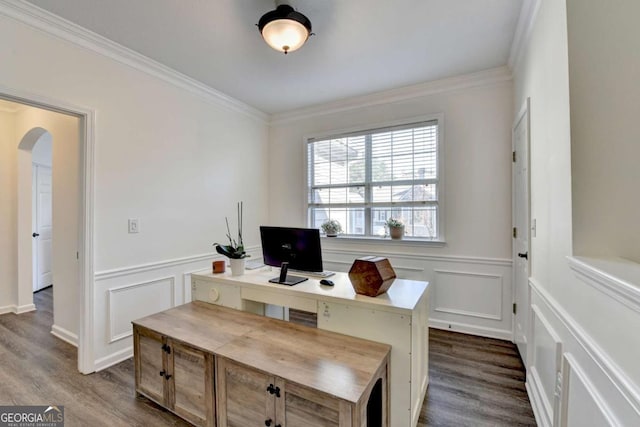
(235, 248)
(394, 222)
(331, 227)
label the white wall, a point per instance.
(42, 153)
(168, 154)
(477, 195)
(8, 233)
(577, 331)
(603, 62)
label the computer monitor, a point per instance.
(300, 247)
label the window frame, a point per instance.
(440, 223)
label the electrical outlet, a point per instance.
(134, 225)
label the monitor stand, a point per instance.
(283, 279)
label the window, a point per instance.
(363, 178)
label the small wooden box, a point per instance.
(371, 275)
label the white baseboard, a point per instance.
(64, 335)
(25, 308)
(471, 329)
(7, 309)
(113, 359)
(535, 404)
(17, 309)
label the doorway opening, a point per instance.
(53, 214)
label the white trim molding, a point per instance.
(466, 328)
(17, 309)
(40, 19)
(617, 278)
(64, 335)
(500, 262)
(482, 78)
(114, 358)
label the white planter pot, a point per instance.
(237, 266)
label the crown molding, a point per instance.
(42, 20)
(527, 18)
(450, 84)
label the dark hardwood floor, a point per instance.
(473, 381)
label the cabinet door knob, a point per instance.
(277, 391)
(167, 376)
(524, 255)
(278, 425)
(270, 389)
(162, 373)
(268, 422)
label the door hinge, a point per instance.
(513, 155)
(77, 255)
(515, 232)
(515, 308)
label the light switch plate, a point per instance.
(134, 225)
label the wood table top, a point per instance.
(336, 364)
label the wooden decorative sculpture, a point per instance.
(371, 275)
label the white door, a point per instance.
(42, 234)
(521, 254)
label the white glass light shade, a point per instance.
(285, 35)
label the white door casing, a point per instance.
(521, 212)
(43, 227)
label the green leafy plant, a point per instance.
(235, 248)
(331, 226)
(394, 222)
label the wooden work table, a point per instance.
(398, 317)
(266, 371)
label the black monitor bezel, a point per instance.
(311, 263)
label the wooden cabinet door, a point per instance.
(242, 396)
(301, 407)
(191, 385)
(150, 364)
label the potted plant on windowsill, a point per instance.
(235, 249)
(396, 228)
(331, 228)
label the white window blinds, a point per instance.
(361, 179)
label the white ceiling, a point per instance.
(360, 46)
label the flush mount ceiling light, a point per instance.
(284, 29)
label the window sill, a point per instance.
(406, 242)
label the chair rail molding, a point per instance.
(617, 278)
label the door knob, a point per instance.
(524, 255)
(35, 235)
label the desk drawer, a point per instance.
(217, 293)
(270, 297)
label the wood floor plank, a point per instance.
(474, 381)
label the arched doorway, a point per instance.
(25, 219)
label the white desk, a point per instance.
(399, 318)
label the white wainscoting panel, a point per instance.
(132, 292)
(582, 404)
(591, 389)
(130, 302)
(545, 363)
(468, 294)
